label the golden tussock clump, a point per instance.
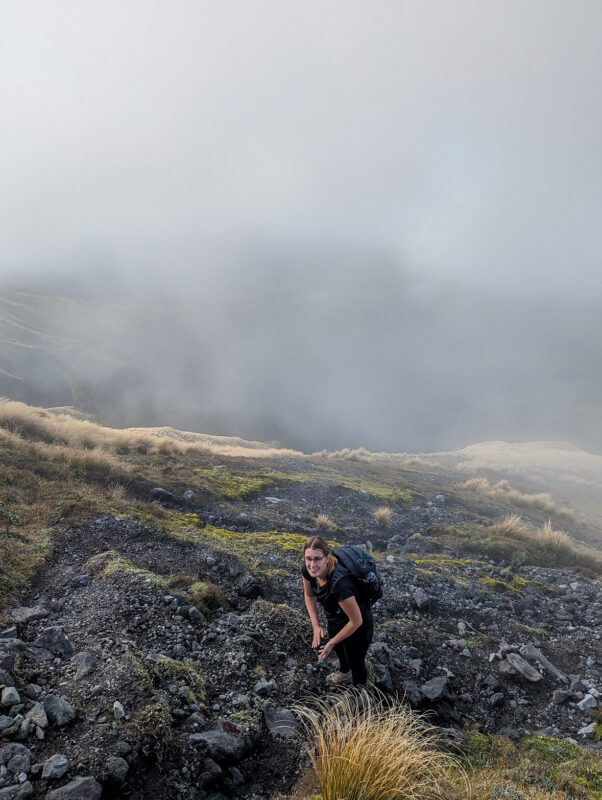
(383, 516)
(60, 428)
(512, 525)
(323, 522)
(502, 491)
(365, 747)
(554, 542)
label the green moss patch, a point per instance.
(184, 673)
(111, 562)
(266, 553)
(228, 485)
(225, 484)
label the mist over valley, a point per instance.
(312, 349)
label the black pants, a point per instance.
(352, 650)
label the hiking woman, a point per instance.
(348, 618)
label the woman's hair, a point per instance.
(318, 543)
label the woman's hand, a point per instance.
(319, 634)
(325, 651)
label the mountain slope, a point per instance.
(175, 637)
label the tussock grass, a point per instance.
(512, 525)
(348, 454)
(503, 492)
(383, 516)
(536, 768)
(63, 429)
(369, 748)
(557, 543)
(513, 539)
(323, 522)
(207, 596)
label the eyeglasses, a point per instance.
(316, 560)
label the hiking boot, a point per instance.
(339, 678)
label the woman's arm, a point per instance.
(352, 610)
(312, 610)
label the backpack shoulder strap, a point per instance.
(339, 572)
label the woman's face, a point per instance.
(316, 563)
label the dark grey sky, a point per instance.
(462, 139)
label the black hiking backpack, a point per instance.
(363, 568)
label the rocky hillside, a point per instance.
(154, 643)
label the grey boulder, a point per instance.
(55, 640)
(55, 767)
(23, 614)
(17, 792)
(58, 710)
(85, 663)
(38, 716)
(435, 689)
(16, 758)
(280, 721)
(79, 789)
(117, 768)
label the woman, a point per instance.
(349, 620)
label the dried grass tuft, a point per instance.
(383, 516)
(512, 526)
(556, 543)
(503, 492)
(323, 522)
(366, 747)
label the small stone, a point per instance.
(588, 702)
(560, 696)
(16, 758)
(18, 792)
(118, 710)
(435, 688)
(248, 587)
(587, 730)
(85, 663)
(123, 748)
(263, 688)
(86, 788)
(237, 776)
(6, 679)
(55, 640)
(10, 696)
(412, 693)
(421, 599)
(505, 669)
(496, 700)
(117, 768)
(212, 767)
(280, 721)
(23, 614)
(58, 711)
(38, 716)
(55, 767)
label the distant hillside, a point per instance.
(308, 353)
